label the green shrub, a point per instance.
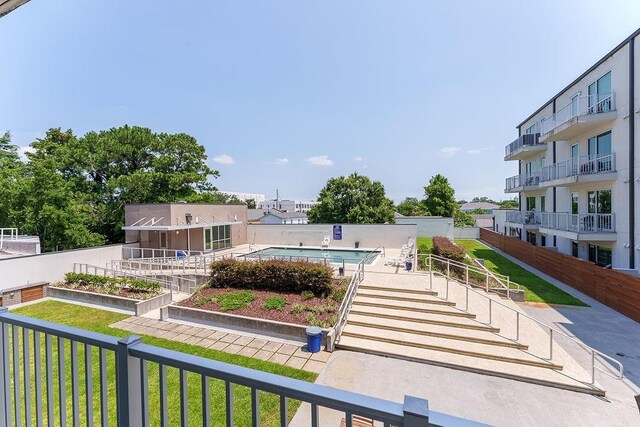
(338, 294)
(235, 300)
(274, 275)
(447, 249)
(274, 303)
(306, 295)
(205, 300)
(112, 283)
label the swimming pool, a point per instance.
(331, 255)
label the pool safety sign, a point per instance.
(337, 232)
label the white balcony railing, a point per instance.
(530, 139)
(583, 165)
(522, 180)
(582, 106)
(523, 217)
(579, 223)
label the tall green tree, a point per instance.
(12, 173)
(412, 207)
(353, 199)
(440, 197)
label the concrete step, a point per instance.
(402, 290)
(465, 348)
(440, 331)
(497, 368)
(443, 310)
(422, 318)
(403, 297)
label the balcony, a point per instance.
(522, 182)
(523, 145)
(601, 167)
(524, 219)
(578, 116)
(585, 227)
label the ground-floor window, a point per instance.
(543, 240)
(531, 237)
(574, 249)
(600, 255)
(217, 237)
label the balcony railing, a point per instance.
(523, 217)
(582, 106)
(522, 180)
(579, 223)
(523, 140)
(38, 357)
(583, 165)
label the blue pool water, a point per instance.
(331, 255)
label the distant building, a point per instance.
(472, 206)
(258, 198)
(254, 215)
(288, 205)
(275, 216)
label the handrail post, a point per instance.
(466, 275)
(550, 344)
(517, 326)
(486, 275)
(415, 412)
(593, 366)
(128, 384)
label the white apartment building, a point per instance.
(258, 198)
(578, 168)
(288, 205)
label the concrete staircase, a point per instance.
(404, 321)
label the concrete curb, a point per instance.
(137, 306)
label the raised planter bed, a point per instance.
(138, 307)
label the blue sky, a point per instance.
(286, 94)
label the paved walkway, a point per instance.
(285, 353)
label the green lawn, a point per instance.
(98, 320)
(536, 289)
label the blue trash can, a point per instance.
(314, 339)
(409, 265)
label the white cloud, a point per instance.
(23, 150)
(449, 151)
(283, 161)
(224, 159)
(323, 160)
(478, 150)
(358, 159)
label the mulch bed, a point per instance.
(255, 307)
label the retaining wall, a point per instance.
(136, 306)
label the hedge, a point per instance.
(273, 275)
(446, 248)
(122, 282)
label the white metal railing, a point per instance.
(131, 252)
(523, 217)
(584, 105)
(583, 165)
(175, 284)
(530, 139)
(522, 180)
(7, 234)
(580, 223)
(347, 302)
(618, 367)
(111, 379)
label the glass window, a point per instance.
(542, 203)
(592, 202)
(604, 144)
(603, 85)
(531, 203)
(574, 105)
(543, 240)
(574, 249)
(574, 203)
(604, 201)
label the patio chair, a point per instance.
(326, 241)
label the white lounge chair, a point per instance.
(326, 241)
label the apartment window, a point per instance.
(543, 161)
(543, 200)
(574, 203)
(599, 201)
(543, 240)
(531, 129)
(600, 255)
(575, 152)
(574, 249)
(531, 237)
(531, 203)
(599, 154)
(530, 167)
(217, 237)
(574, 104)
(600, 95)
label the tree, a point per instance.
(462, 219)
(353, 199)
(412, 207)
(12, 172)
(509, 203)
(440, 197)
(483, 199)
(251, 204)
(480, 212)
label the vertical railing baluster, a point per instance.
(255, 408)
(104, 403)
(164, 411)
(62, 382)
(6, 375)
(315, 416)
(284, 411)
(75, 388)
(48, 344)
(144, 392)
(37, 367)
(88, 384)
(348, 419)
(206, 402)
(26, 368)
(17, 412)
(229, 403)
(184, 409)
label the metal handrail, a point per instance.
(583, 223)
(522, 180)
(552, 331)
(347, 301)
(584, 105)
(111, 272)
(583, 165)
